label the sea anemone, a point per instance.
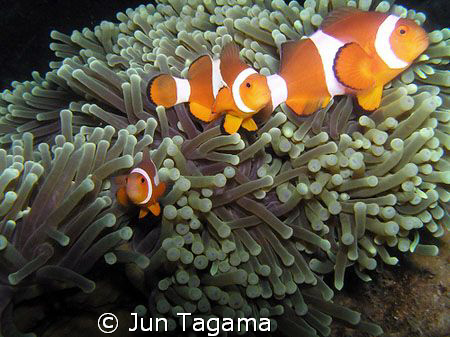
(252, 223)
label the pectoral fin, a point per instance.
(249, 124)
(370, 99)
(122, 197)
(353, 67)
(232, 124)
(155, 209)
(160, 189)
(224, 101)
(264, 114)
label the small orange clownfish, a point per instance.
(246, 92)
(354, 52)
(141, 187)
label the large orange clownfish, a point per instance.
(141, 187)
(215, 87)
(354, 52)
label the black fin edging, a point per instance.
(334, 67)
(148, 91)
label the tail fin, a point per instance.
(162, 90)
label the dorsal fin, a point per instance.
(147, 164)
(230, 63)
(338, 15)
(197, 68)
(230, 53)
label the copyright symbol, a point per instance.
(108, 323)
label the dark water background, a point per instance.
(25, 27)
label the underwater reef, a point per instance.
(253, 225)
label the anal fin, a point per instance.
(325, 102)
(232, 124)
(370, 99)
(304, 107)
(296, 105)
(201, 112)
(155, 209)
(249, 124)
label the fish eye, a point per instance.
(402, 30)
(248, 85)
(142, 180)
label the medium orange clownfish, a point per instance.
(199, 89)
(246, 92)
(141, 187)
(354, 52)
(215, 87)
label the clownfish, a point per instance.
(215, 87)
(353, 52)
(141, 187)
(245, 93)
(199, 89)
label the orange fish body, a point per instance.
(245, 94)
(353, 52)
(141, 187)
(307, 90)
(199, 89)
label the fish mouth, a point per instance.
(263, 99)
(133, 196)
(134, 199)
(422, 42)
(266, 99)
